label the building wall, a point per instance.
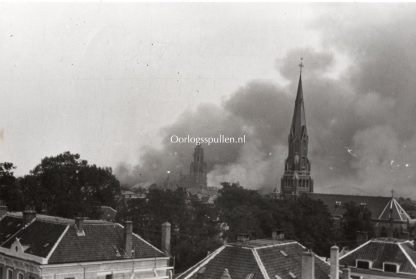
(27, 269)
(379, 275)
(143, 268)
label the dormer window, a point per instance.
(363, 264)
(390, 267)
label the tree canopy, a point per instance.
(63, 185)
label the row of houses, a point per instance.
(36, 246)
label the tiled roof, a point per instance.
(256, 259)
(9, 225)
(382, 250)
(101, 242)
(375, 204)
(58, 239)
(39, 237)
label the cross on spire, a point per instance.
(301, 65)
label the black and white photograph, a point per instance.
(207, 140)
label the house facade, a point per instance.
(382, 258)
(36, 246)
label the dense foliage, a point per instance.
(194, 224)
(67, 186)
(63, 185)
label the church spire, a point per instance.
(299, 120)
(297, 178)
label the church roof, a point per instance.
(255, 259)
(379, 206)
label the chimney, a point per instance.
(361, 237)
(346, 273)
(242, 237)
(308, 265)
(334, 261)
(128, 239)
(28, 216)
(3, 209)
(79, 226)
(414, 243)
(166, 228)
(278, 235)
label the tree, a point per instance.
(69, 186)
(356, 218)
(10, 192)
(194, 225)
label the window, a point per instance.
(363, 264)
(109, 276)
(20, 275)
(355, 277)
(390, 267)
(9, 274)
(1, 272)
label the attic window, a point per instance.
(338, 203)
(292, 275)
(363, 264)
(250, 276)
(46, 244)
(283, 253)
(390, 267)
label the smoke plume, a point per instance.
(362, 137)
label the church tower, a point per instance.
(297, 178)
(198, 169)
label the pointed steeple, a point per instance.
(298, 120)
(296, 178)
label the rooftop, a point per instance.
(263, 258)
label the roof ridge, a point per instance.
(407, 255)
(355, 249)
(203, 262)
(57, 243)
(18, 231)
(260, 264)
(275, 245)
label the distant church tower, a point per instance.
(198, 169)
(297, 178)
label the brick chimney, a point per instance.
(242, 237)
(278, 234)
(3, 209)
(166, 231)
(128, 239)
(79, 226)
(361, 237)
(28, 216)
(334, 261)
(346, 273)
(308, 265)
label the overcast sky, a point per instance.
(105, 80)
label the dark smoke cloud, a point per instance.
(360, 122)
